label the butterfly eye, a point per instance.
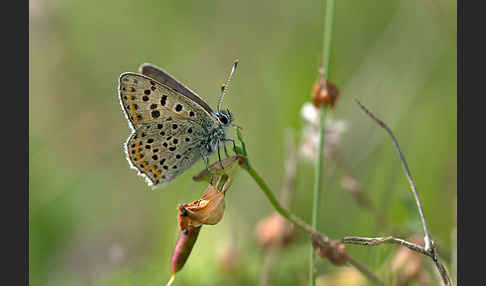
(223, 119)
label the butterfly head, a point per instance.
(225, 117)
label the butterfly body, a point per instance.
(172, 128)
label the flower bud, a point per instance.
(186, 240)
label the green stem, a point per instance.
(317, 189)
(266, 190)
(271, 197)
(328, 37)
(320, 160)
(282, 211)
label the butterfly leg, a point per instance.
(219, 156)
(232, 141)
(206, 160)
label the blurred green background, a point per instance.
(93, 221)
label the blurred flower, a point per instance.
(274, 231)
(324, 92)
(336, 254)
(350, 183)
(310, 114)
(342, 277)
(332, 133)
(228, 258)
(116, 253)
(408, 265)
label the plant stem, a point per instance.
(268, 193)
(328, 23)
(327, 36)
(271, 197)
(317, 189)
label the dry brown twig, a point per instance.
(373, 241)
(429, 249)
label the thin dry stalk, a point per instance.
(429, 249)
(374, 241)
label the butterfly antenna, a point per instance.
(224, 87)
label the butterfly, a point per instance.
(172, 127)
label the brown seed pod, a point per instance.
(324, 92)
(207, 210)
(336, 253)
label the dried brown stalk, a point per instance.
(429, 249)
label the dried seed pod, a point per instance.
(207, 210)
(335, 253)
(324, 92)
